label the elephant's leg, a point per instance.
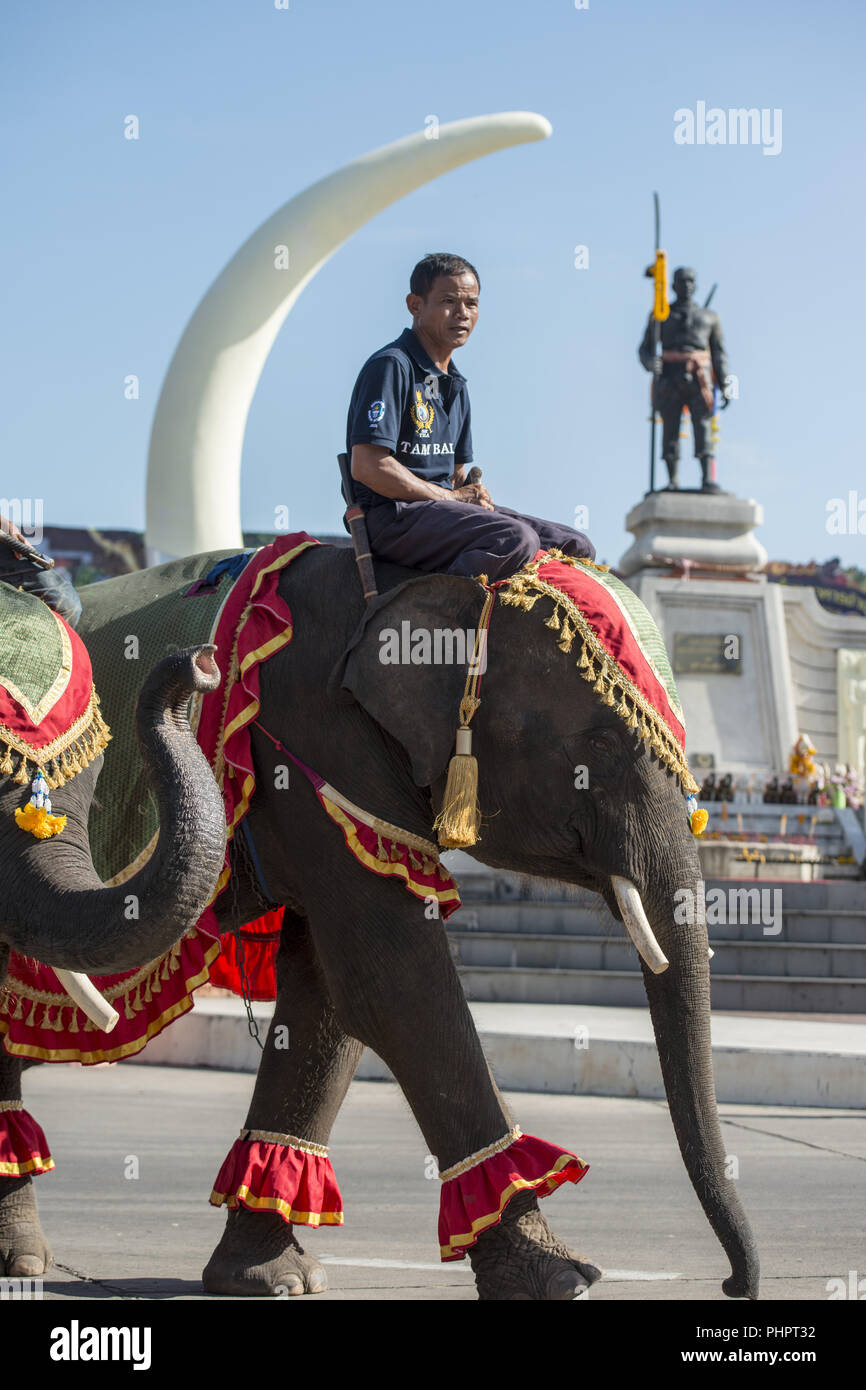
(298, 1092)
(394, 986)
(24, 1251)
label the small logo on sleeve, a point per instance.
(376, 412)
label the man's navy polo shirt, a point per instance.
(402, 401)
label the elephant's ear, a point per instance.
(406, 665)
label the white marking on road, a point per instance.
(453, 1267)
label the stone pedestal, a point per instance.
(695, 563)
(704, 528)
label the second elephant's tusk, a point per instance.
(637, 926)
(88, 999)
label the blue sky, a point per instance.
(109, 243)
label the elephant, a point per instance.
(361, 962)
(55, 909)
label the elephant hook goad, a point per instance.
(346, 841)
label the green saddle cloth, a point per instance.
(31, 646)
(129, 624)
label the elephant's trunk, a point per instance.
(679, 1000)
(71, 919)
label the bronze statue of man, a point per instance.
(692, 360)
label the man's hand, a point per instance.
(476, 493)
(12, 530)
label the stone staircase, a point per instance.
(520, 940)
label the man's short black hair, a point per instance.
(435, 264)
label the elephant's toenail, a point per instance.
(26, 1267)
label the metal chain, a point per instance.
(239, 855)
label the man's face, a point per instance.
(450, 311)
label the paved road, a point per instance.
(801, 1174)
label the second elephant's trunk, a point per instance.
(69, 918)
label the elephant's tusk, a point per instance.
(710, 952)
(88, 999)
(637, 926)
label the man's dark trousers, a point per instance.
(461, 538)
(57, 592)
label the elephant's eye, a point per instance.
(603, 741)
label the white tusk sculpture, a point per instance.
(636, 924)
(194, 463)
(85, 994)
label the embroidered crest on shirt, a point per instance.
(423, 415)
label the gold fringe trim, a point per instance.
(289, 1141)
(596, 665)
(474, 1159)
(63, 758)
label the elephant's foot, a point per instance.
(24, 1251)
(521, 1258)
(259, 1255)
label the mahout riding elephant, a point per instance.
(363, 962)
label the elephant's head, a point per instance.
(567, 791)
(53, 905)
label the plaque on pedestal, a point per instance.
(695, 562)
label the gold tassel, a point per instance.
(381, 852)
(21, 778)
(567, 637)
(7, 766)
(632, 719)
(31, 1021)
(89, 1025)
(147, 995)
(73, 1022)
(164, 972)
(553, 620)
(136, 1000)
(608, 697)
(19, 1011)
(414, 860)
(459, 820)
(584, 658)
(396, 851)
(155, 983)
(127, 1008)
